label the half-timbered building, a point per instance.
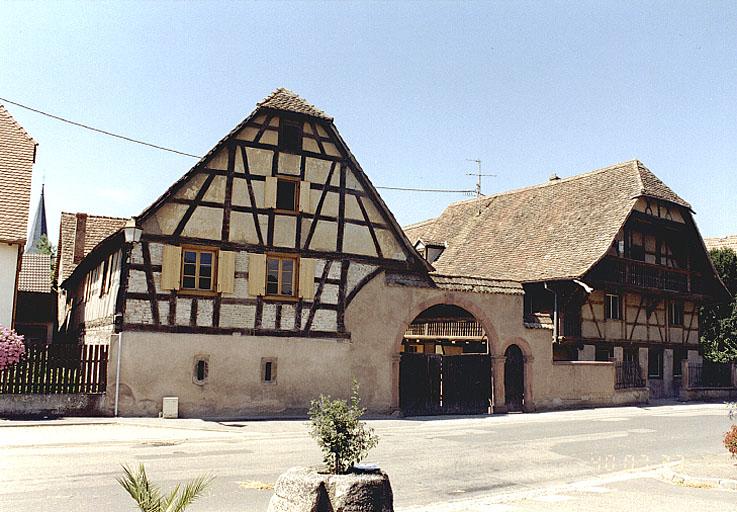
(272, 272)
(611, 262)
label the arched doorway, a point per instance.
(444, 365)
(514, 378)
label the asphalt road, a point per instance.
(575, 460)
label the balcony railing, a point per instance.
(629, 375)
(446, 329)
(643, 275)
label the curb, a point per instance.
(669, 475)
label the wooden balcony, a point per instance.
(638, 274)
(449, 329)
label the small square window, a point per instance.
(287, 195)
(612, 308)
(268, 370)
(290, 135)
(201, 370)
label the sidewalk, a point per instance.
(709, 471)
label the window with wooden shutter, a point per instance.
(281, 276)
(305, 199)
(270, 192)
(256, 274)
(198, 269)
(307, 278)
(171, 267)
(226, 272)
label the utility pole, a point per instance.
(478, 175)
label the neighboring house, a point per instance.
(611, 261)
(721, 242)
(272, 272)
(79, 234)
(36, 312)
(17, 156)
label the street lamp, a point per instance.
(132, 232)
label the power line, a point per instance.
(156, 146)
(403, 189)
(98, 130)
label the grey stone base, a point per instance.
(306, 490)
(52, 405)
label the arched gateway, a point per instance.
(444, 366)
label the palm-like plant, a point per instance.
(149, 497)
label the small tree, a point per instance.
(149, 498)
(718, 322)
(342, 437)
(12, 347)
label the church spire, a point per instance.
(38, 229)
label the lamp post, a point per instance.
(132, 235)
(131, 231)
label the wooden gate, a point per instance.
(431, 384)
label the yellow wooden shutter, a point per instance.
(171, 267)
(256, 274)
(226, 271)
(270, 192)
(305, 196)
(307, 278)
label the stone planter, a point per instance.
(306, 490)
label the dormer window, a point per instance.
(290, 135)
(431, 251)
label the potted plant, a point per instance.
(341, 485)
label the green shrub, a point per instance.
(149, 498)
(336, 426)
(730, 440)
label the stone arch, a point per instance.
(499, 375)
(452, 299)
(445, 298)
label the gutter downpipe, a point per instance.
(555, 312)
(117, 372)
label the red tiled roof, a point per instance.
(17, 151)
(35, 273)
(721, 242)
(284, 99)
(96, 229)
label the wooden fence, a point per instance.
(55, 369)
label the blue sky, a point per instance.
(415, 89)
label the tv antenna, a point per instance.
(479, 174)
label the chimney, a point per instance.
(80, 233)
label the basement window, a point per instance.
(201, 370)
(268, 370)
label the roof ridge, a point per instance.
(547, 183)
(293, 96)
(420, 223)
(96, 216)
(16, 124)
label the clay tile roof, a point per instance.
(721, 242)
(96, 229)
(555, 230)
(284, 99)
(17, 150)
(35, 273)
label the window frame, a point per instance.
(672, 306)
(272, 361)
(295, 277)
(659, 354)
(284, 123)
(608, 306)
(213, 275)
(287, 179)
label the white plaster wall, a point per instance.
(8, 271)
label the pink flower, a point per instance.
(12, 347)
